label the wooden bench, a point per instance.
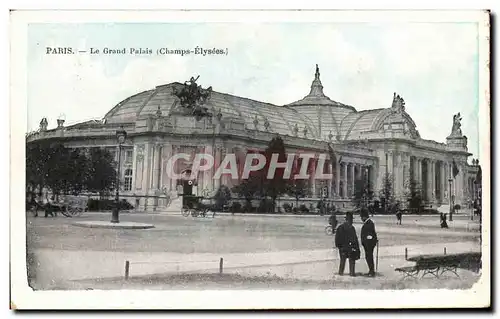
(437, 265)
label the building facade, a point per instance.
(371, 143)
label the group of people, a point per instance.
(45, 204)
(347, 243)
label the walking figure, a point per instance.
(444, 224)
(332, 221)
(48, 206)
(368, 240)
(399, 216)
(347, 243)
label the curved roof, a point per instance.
(282, 120)
(316, 113)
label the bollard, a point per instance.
(445, 250)
(127, 269)
(406, 253)
(221, 265)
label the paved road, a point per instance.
(224, 234)
(285, 246)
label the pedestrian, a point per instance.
(368, 239)
(48, 205)
(332, 221)
(399, 216)
(347, 243)
(444, 224)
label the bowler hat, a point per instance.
(364, 212)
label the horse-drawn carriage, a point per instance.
(197, 206)
(68, 205)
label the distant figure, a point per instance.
(368, 239)
(321, 207)
(399, 216)
(48, 206)
(444, 224)
(347, 243)
(332, 221)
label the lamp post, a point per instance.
(121, 135)
(451, 202)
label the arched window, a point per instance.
(127, 185)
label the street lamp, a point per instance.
(121, 135)
(451, 202)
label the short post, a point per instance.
(406, 253)
(445, 250)
(127, 269)
(221, 265)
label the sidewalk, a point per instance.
(57, 267)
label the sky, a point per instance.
(433, 66)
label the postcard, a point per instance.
(250, 159)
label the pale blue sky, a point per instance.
(433, 66)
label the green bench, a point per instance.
(437, 265)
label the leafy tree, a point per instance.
(414, 195)
(36, 177)
(363, 193)
(222, 197)
(249, 188)
(276, 185)
(68, 171)
(298, 188)
(387, 193)
(101, 177)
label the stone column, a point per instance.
(390, 163)
(428, 185)
(460, 183)
(433, 170)
(156, 167)
(352, 179)
(414, 168)
(444, 183)
(345, 180)
(397, 175)
(173, 180)
(337, 178)
(330, 181)
(148, 160)
(226, 179)
(217, 160)
(420, 179)
(134, 168)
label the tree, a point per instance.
(101, 177)
(222, 197)
(276, 185)
(298, 188)
(36, 166)
(414, 195)
(387, 193)
(68, 171)
(249, 188)
(363, 193)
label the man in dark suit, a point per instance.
(346, 241)
(368, 239)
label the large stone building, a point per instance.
(373, 142)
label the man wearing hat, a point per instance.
(346, 241)
(368, 239)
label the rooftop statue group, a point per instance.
(192, 96)
(456, 128)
